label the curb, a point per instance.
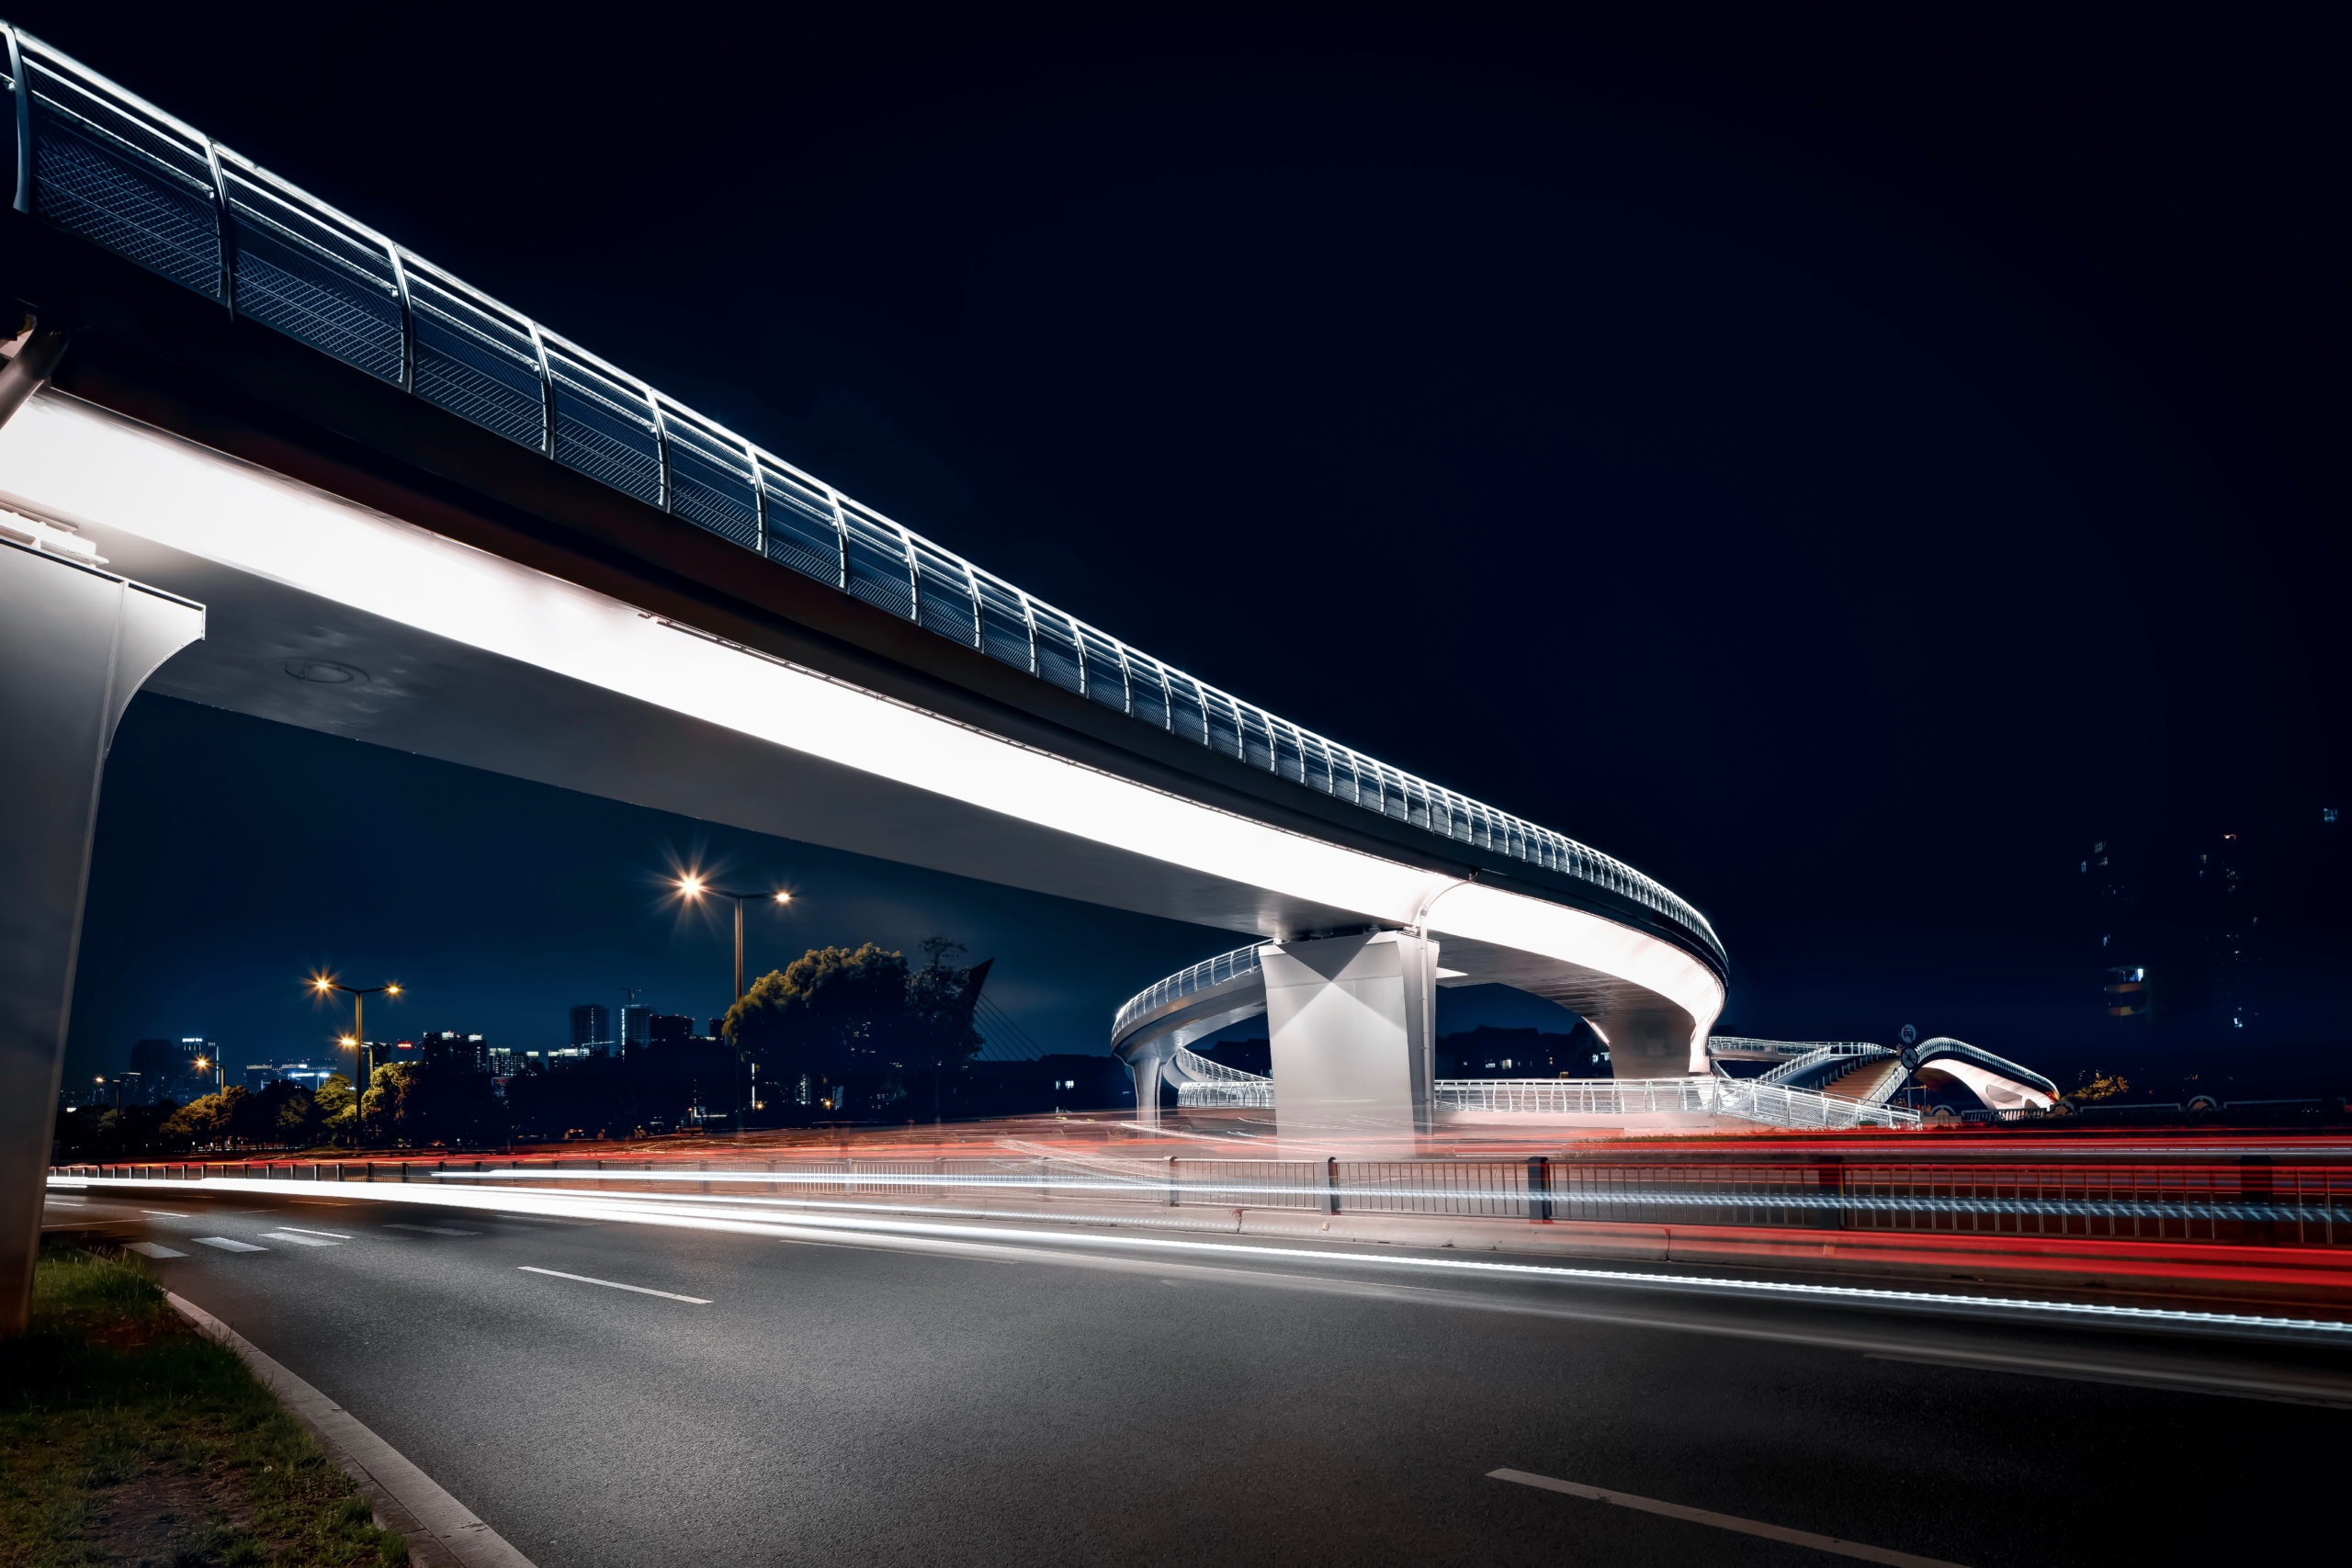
(442, 1532)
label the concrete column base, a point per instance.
(76, 644)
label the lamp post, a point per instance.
(693, 888)
(220, 1068)
(326, 985)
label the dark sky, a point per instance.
(1842, 459)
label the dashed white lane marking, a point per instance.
(167, 1213)
(899, 1251)
(225, 1244)
(151, 1249)
(305, 1230)
(1723, 1521)
(432, 1230)
(616, 1285)
(299, 1240)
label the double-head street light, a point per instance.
(693, 889)
(326, 986)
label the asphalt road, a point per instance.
(1063, 1396)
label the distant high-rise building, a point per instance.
(158, 1071)
(636, 1032)
(591, 1025)
(668, 1029)
(465, 1050)
(718, 1028)
(260, 1076)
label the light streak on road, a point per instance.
(699, 1213)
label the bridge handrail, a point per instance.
(202, 216)
(1750, 1099)
(1206, 1071)
(1827, 1051)
(1183, 983)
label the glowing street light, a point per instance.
(326, 986)
(692, 887)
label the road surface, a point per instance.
(1034, 1393)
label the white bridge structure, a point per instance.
(257, 455)
(1810, 1084)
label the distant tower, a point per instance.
(635, 1022)
(591, 1025)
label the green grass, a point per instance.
(114, 1413)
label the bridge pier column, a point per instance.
(76, 643)
(1651, 1043)
(1146, 1064)
(1349, 1021)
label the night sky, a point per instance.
(1843, 463)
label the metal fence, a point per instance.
(1208, 972)
(2248, 1200)
(1747, 1099)
(100, 162)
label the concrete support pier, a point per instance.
(76, 644)
(1350, 1021)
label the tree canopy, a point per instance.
(855, 1023)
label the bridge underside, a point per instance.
(338, 618)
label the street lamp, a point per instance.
(692, 888)
(326, 986)
(220, 1067)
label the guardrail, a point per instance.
(1748, 1099)
(103, 163)
(1828, 1051)
(2225, 1202)
(1208, 972)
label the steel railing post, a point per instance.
(1539, 1190)
(1331, 1184)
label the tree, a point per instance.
(832, 1016)
(338, 1108)
(939, 1037)
(205, 1121)
(434, 1102)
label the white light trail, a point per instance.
(669, 1210)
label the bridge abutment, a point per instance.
(75, 644)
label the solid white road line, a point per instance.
(299, 1240)
(1723, 1521)
(225, 1244)
(432, 1230)
(407, 1498)
(151, 1249)
(616, 1285)
(167, 1213)
(305, 1230)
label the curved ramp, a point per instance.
(1999, 1083)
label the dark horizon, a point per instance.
(1844, 468)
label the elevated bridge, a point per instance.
(259, 455)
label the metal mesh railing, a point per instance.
(114, 169)
(1821, 1056)
(1185, 983)
(1746, 1099)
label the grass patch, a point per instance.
(126, 1437)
